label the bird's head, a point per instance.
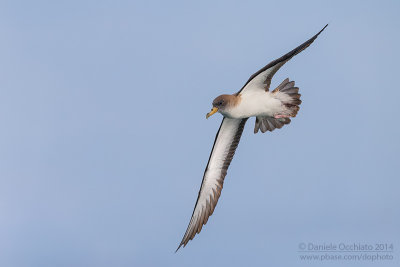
(220, 104)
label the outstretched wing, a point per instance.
(261, 80)
(225, 144)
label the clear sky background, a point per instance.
(104, 140)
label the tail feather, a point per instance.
(293, 102)
(290, 97)
(269, 124)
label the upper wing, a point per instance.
(225, 144)
(261, 80)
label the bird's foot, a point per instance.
(279, 116)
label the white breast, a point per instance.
(255, 103)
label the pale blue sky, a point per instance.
(104, 138)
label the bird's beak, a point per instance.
(213, 110)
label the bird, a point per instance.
(272, 110)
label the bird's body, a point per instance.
(272, 109)
(256, 103)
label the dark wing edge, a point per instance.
(212, 183)
(277, 63)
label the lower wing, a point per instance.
(225, 144)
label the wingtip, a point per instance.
(180, 245)
(323, 29)
(315, 36)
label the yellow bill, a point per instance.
(213, 110)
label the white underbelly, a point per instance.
(256, 104)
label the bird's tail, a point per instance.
(269, 124)
(290, 99)
(289, 94)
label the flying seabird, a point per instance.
(272, 110)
